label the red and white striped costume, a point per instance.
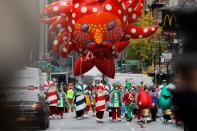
(100, 100)
(52, 96)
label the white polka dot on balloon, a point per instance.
(119, 11)
(67, 18)
(65, 50)
(114, 52)
(55, 42)
(133, 30)
(69, 28)
(73, 22)
(123, 6)
(94, 9)
(113, 47)
(134, 16)
(108, 7)
(76, 5)
(153, 29)
(145, 30)
(140, 36)
(56, 8)
(63, 3)
(58, 18)
(59, 25)
(73, 15)
(84, 9)
(130, 9)
(124, 18)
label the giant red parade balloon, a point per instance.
(97, 29)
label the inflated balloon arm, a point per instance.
(134, 10)
(118, 47)
(57, 23)
(47, 20)
(139, 32)
(63, 37)
(66, 50)
(58, 8)
(121, 46)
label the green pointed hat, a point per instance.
(128, 85)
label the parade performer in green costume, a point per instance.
(129, 101)
(165, 102)
(116, 103)
(62, 103)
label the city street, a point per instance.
(69, 123)
(133, 56)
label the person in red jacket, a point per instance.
(100, 102)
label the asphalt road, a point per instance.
(70, 123)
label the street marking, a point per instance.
(57, 129)
(132, 129)
(62, 124)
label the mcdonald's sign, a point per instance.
(168, 20)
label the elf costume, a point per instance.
(123, 106)
(116, 103)
(100, 102)
(62, 103)
(129, 101)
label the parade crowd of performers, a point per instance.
(119, 102)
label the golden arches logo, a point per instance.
(169, 18)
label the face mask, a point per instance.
(186, 103)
